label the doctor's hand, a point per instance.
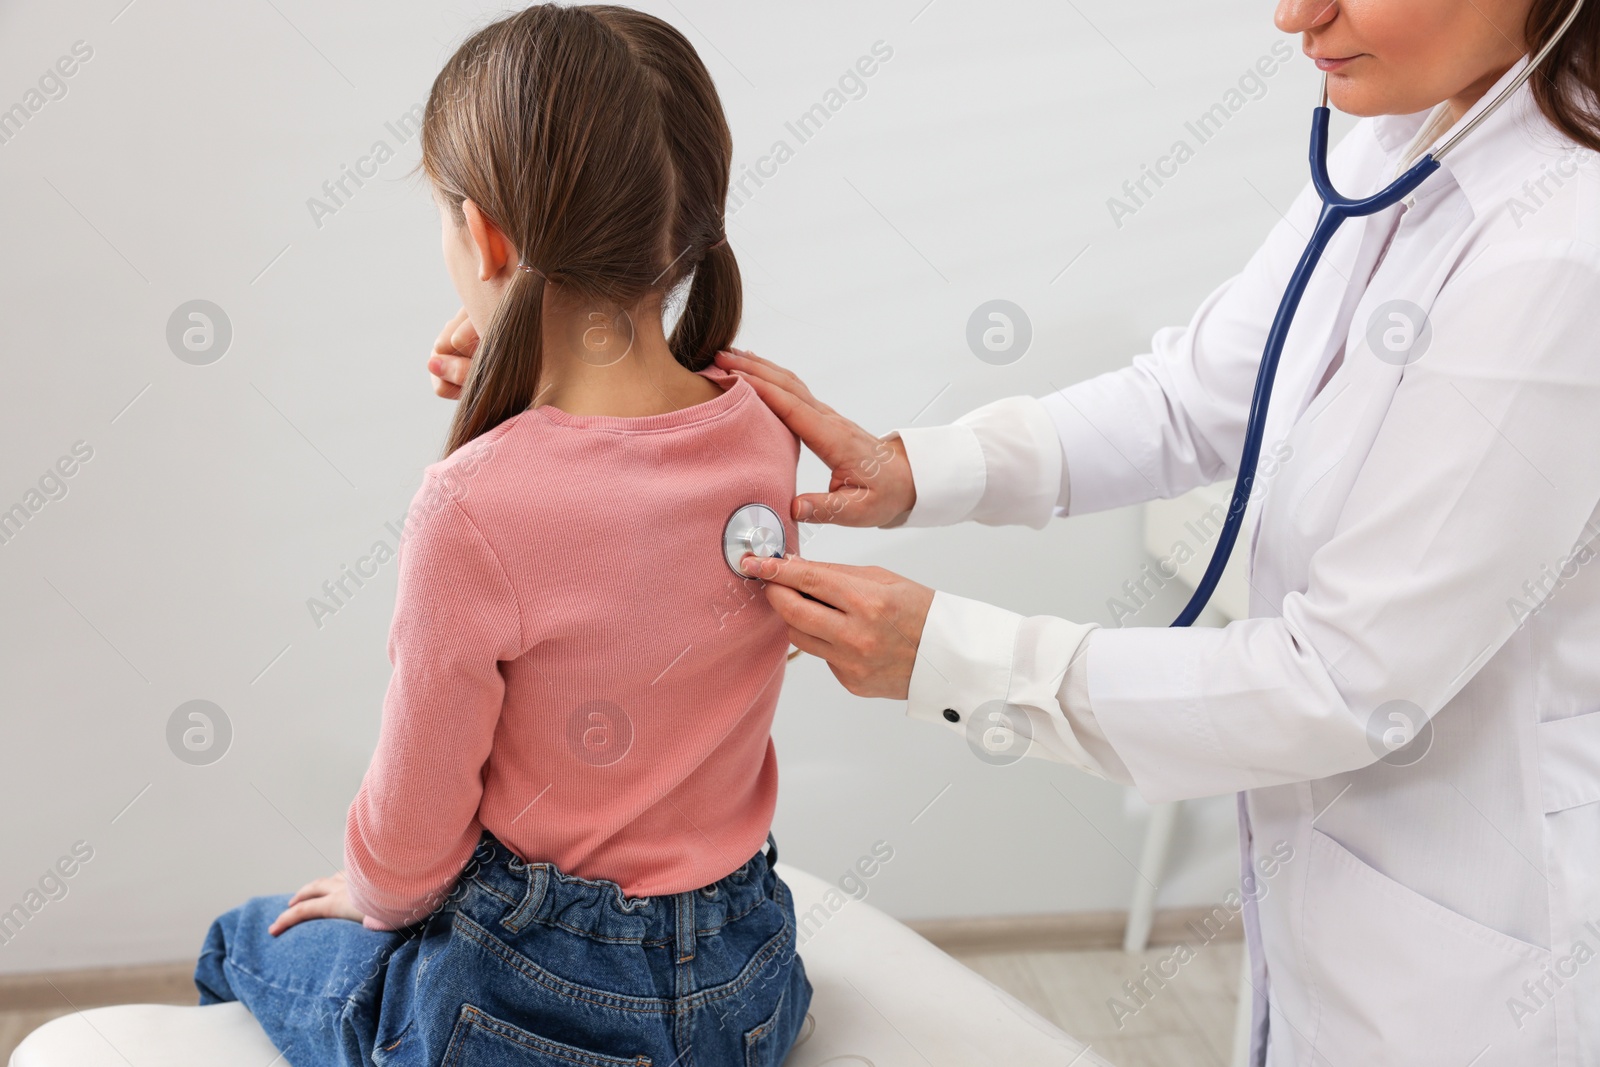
(867, 626)
(871, 481)
(452, 356)
(326, 898)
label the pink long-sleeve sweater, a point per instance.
(576, 669)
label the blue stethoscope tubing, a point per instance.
(1336, 208)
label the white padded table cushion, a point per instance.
(884, 998)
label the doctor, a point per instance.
(1420, 566)
(1413, 710)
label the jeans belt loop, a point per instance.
(538, 876)
(684, 909)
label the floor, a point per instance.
(26, 1003)
(1187, 1021)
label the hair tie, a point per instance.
(533, 270)
(718, 243)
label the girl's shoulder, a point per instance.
(471, 482)
(477, 462)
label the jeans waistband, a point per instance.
(526, 894)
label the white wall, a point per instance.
(219, 498)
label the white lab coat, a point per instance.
(1425, 539)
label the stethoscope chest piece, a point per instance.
(754, 529)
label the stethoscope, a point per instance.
(753, 529)
(756, 528)
(1335, 210)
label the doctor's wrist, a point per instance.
(900, 488)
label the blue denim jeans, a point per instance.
(525, 966)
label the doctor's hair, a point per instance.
(594, 138)
(1567, 89)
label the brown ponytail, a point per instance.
(503, 377)
(1567, 88)
(710, 311)
(701, 146)
(594, 138)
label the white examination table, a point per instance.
(884, 998)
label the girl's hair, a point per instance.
(594, 138)
(1567, 87)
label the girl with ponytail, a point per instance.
(560, 852)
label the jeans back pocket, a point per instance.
(481, 1040)
(764, 1045)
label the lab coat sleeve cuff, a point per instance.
(963, 660)
(1024, 475)
(980, 666)
(947, 469)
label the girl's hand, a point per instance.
(326, 898)
(452, 356)
(871, 483)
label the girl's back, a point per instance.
(627, 726)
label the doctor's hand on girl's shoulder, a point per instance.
(325, 898)
(452, 356)
(866, 622)
(870, 483)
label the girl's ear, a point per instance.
(493, 250)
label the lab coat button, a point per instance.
(952, 714)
